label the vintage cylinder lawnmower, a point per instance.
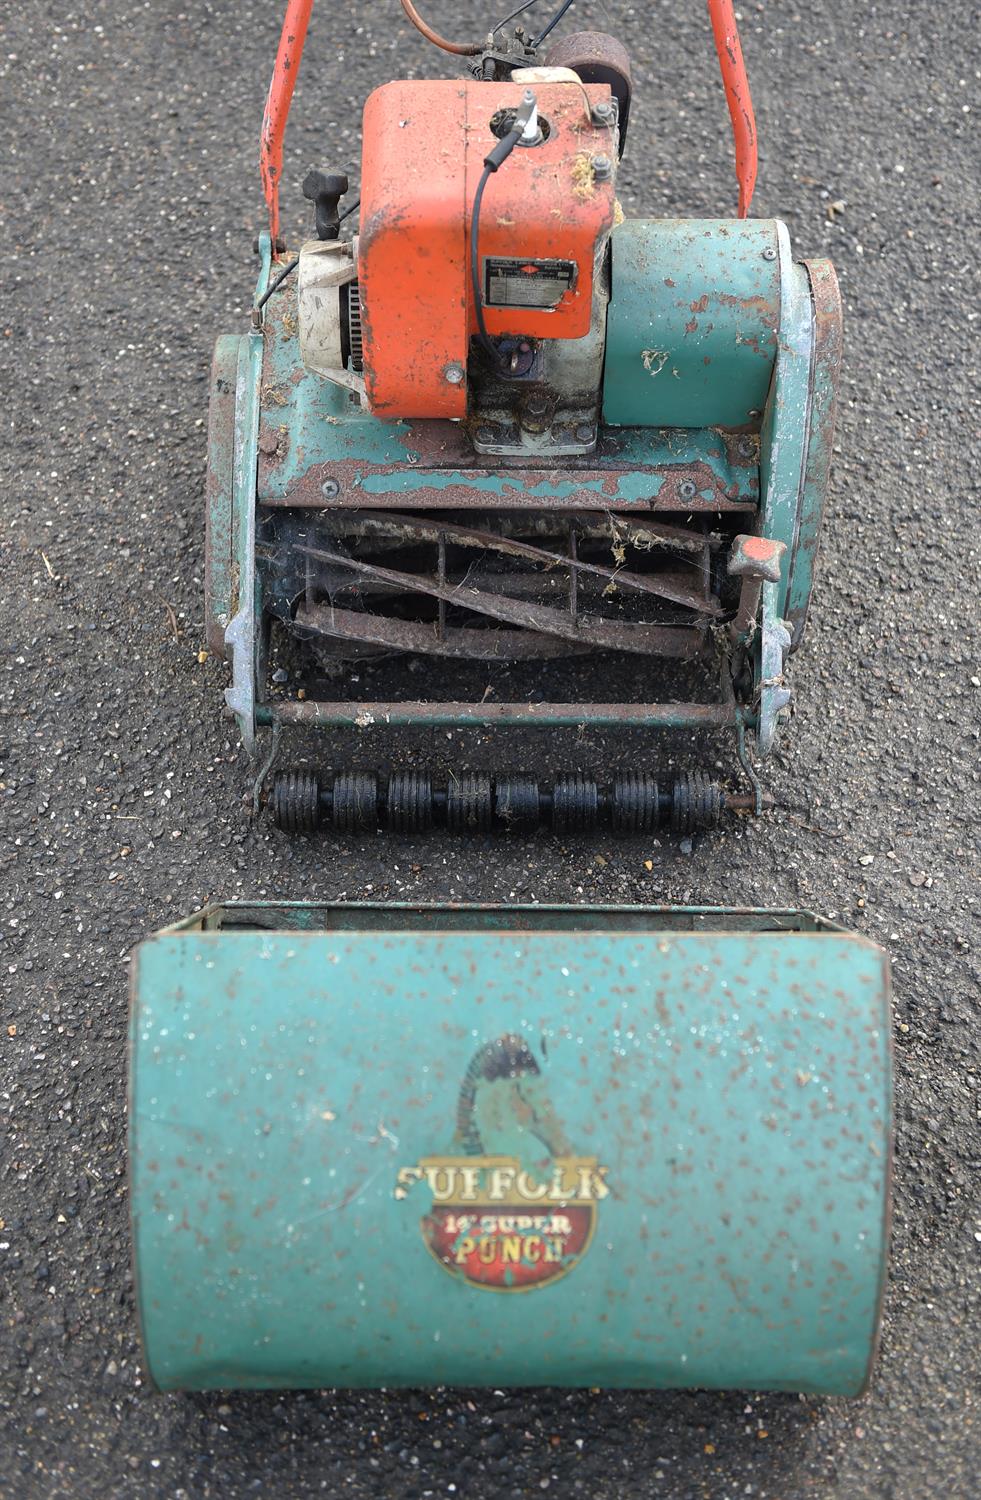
(503, 427)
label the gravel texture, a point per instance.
(130, 199)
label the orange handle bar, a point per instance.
(730, 54)
(291, 39)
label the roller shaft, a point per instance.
(412, 802)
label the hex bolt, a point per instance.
(453, 374)
(585, 432)
(484, 434)
(603, 113)
(535, 413)
(602, 168)
(770, 253)
(330, 489)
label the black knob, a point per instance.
(326, 189)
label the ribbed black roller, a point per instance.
(635, 803)
(410, 802)
(469, 805)
(696, 802)
(296, 802)
(517, 805)
(355, 801)
(575, 805)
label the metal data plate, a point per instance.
(513, 282)
(391, 1146)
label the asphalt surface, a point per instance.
(129, 198)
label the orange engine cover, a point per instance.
(422, 157)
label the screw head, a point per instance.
(687, 489)
(770, 253)
(746, 448)
(453, 374)
(330, 489)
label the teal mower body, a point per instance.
(579, 488)
(395, 1145)
(680, 548)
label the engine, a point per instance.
(475, 293)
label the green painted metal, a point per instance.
(366, 715)
(624, 489)
(784, 435)
(825, 371)
(221, 528)
(692, 323)
(319, 433)
(773, 695)
(487, 916)
(724, 327)
(703, 1098)
(712, 323)
(244, 635)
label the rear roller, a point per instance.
(635, 808)
(409, 802)
(696, 802)
(354, 807)
(296, 802)
(517, 804)
(469, 804)
(575, 805)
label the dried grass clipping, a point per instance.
(582, 176)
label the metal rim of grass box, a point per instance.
(612, 1146)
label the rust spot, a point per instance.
(761, 548)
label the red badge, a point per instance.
(521, 1217)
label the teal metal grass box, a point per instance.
(397, 1145)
